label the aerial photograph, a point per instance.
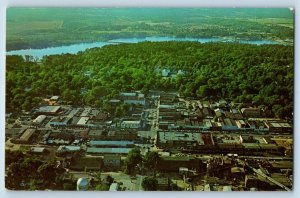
(149, 99)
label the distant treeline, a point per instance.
(261, 75)
(46, 27)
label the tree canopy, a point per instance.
(258, 74)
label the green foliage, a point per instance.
(262, 75)
(109, 180)
(102, 187)
(25, 172)
(149, 184)
(175, 187)
(13, 156)
(151, 159)
(133, 158)
(69, 186)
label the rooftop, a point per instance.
(49, 109)
(108, 150)
(110, 143)
(83, 120)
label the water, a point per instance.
(73, 49)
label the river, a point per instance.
(75, 48)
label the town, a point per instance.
(156, 141)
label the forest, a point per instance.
(258, 74)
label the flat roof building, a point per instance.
(131, 124)
(26, 136)
(111, 143)
(99, 151)
(38, 120)
(83, 121)
(48, 110)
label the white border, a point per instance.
(147, 3)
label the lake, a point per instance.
(75, 48)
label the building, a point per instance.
(83, 120)
(173, 139)
(251, 112)
(136, 98)
(39, 120)
(48, 110)
(60, 122)
(278, 127)
(86, 112)
(27, 136)
(14, 132)
(115, 144)
(174, 163)
(68, 149)
(229, 125)
(101, 151)
(37, 150)
(241, 124)
(112, 161)
(131, 124)
(94, 163)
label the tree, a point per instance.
(150, 184)
(68, 186)
(134, 158)
(278, 110)
(109, 180)
(151, 159)
(47, 171)
(32, 185)
(102, 187)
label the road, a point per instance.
(265, 176)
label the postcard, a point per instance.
(149, 99)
